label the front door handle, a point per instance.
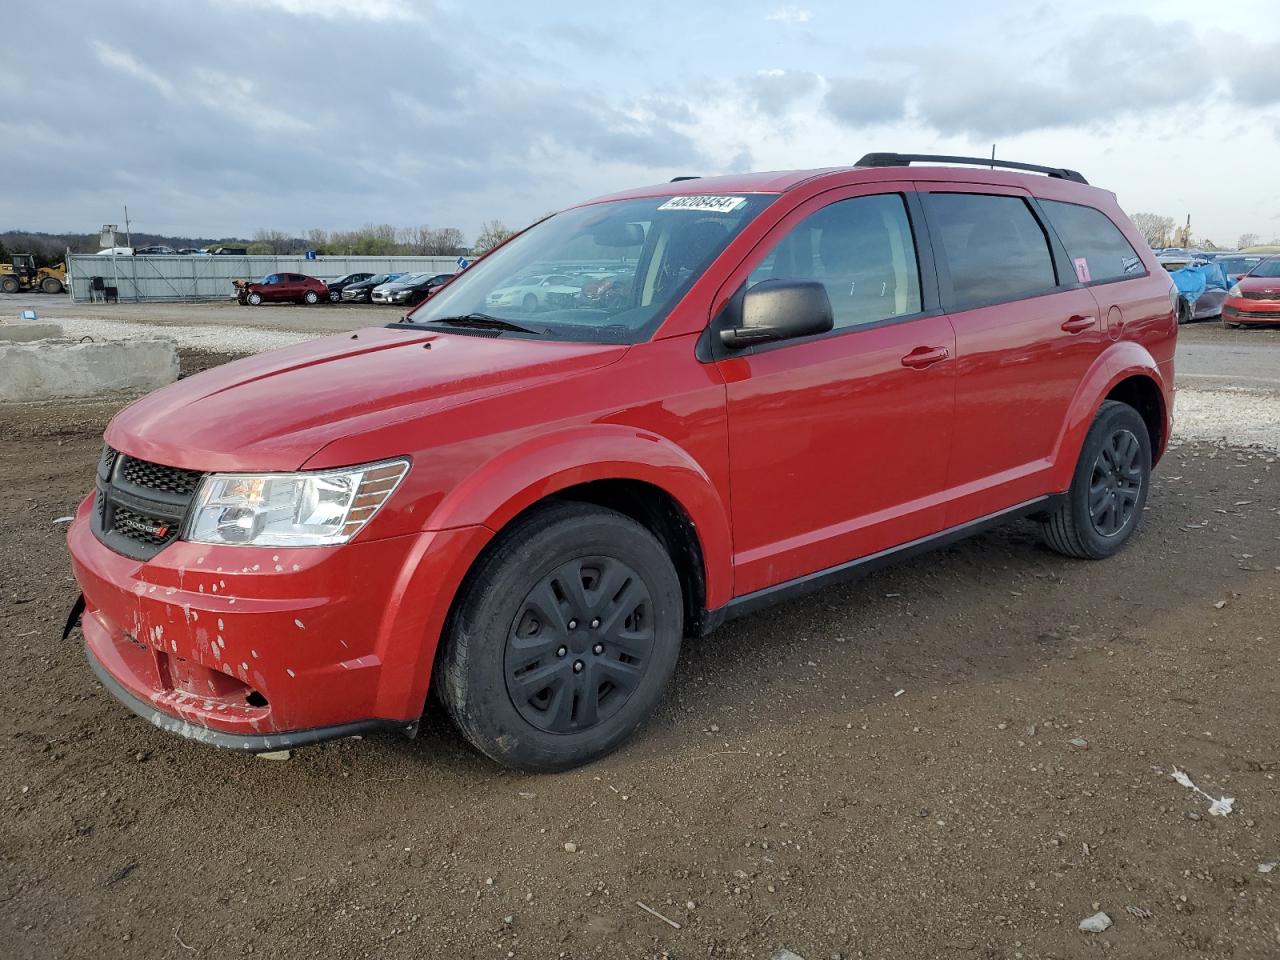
(922, 357)
(1078, 324)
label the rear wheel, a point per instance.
(311, 298)
(563, 639)
(1186, 312)
(51, 285)
(10, 284)
(1109, 488)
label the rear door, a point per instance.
(1026, 330)
(838, 443)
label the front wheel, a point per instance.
(311, 298)
(335, 296)
(255, 299)
(563, 639)
(1186, 312)
(51, 285)
(1109, 489)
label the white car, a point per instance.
(537, 293)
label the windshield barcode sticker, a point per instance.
(704, 203)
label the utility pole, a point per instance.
(127, 238)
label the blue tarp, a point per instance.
(1194, 279)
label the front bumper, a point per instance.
(262, 648)
(1244, 310)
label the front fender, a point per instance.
(1117, 363)
(522, 475)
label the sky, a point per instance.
(218, 117)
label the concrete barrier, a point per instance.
(26, 332)
(56, 369)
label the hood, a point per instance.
(276, 410)
(1260, 285)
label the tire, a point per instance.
(311, 298)
(1186, 312)
(530, 303)
(1113, 474)
(531, 681)
(1229, 325)
(255, 299)
(10, 284)
(335, 296)
(51, 285)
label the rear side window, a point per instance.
(995, 248)
(1095, 244)
(861, 250)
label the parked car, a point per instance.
(1236, 265)
(156, 250)
(537, 292)
(192, 252)
(1202, 284)
(336, 286)
(362, 291)
(1255, 297)
(815, 372)
(282, 288)
(410, 289)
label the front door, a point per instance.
(838, 443)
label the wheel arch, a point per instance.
(1126, 372)
(640, 474)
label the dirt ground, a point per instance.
(959, 757)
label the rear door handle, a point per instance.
(922, 357)
(1078, 323)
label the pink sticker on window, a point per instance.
(1082, 269)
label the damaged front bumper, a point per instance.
(261, 649)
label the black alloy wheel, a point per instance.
(1116, 484)
(579, 645)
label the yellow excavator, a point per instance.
(22, 274)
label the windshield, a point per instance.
(1267, 268)
(607, 272)
(1238, 264)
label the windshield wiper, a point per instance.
(482, 321)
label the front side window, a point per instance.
(861, 250)
(269, 279)
(607, 272)
(1096, 246)
(995, 248)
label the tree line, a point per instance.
(372, 240)
(1162, 231)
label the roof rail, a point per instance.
(906, 159)
(678, 179)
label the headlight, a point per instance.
(291, 509)
(1234, 291)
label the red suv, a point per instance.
(804, 375)
(283, 288)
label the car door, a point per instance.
(270, 288)
(1026, 331)
(838, 442)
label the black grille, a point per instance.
(152, 476)
(1259, 295)
(139, 506)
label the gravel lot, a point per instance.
(962, 756)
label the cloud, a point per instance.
(859, 102)
(1253, 72)
(773, 91)
(790, 13)
(375, 10)
(124, 62)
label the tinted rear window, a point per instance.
(995, 248)
(1095, 244)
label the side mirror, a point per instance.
(779, 310)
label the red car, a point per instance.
(1255, 297)
(810, 374)
(282, 288)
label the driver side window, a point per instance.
(861, 250)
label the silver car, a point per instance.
(1208, 305)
